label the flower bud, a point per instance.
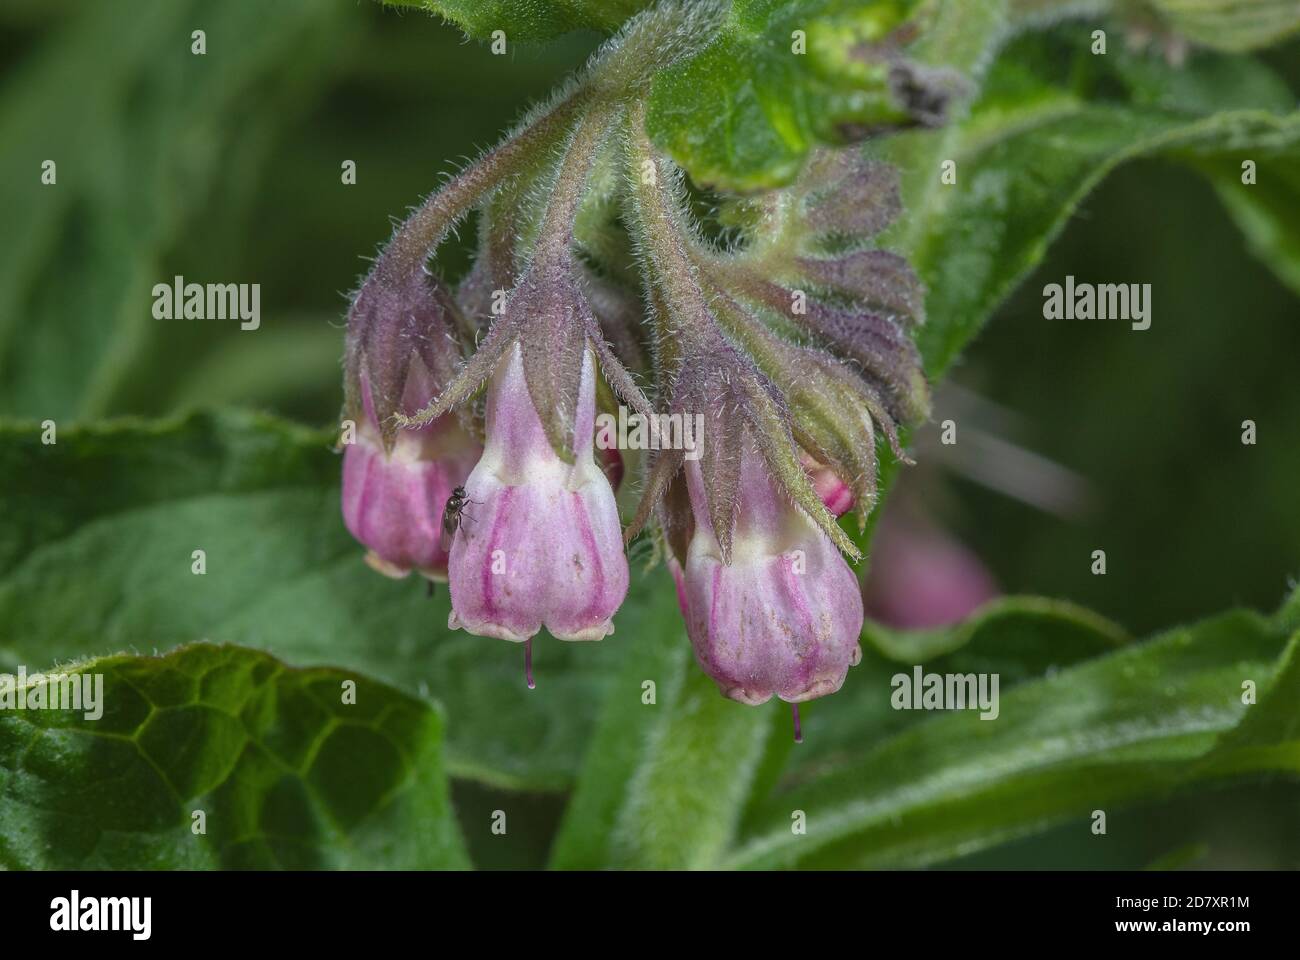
(539, 542)
(834, 492)
(784, 616)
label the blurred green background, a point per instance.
(234, 175)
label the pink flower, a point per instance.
(784, 616)
(921, 577)
(401, 347)
(393, 500)
(539, 542)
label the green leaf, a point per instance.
(1019, 638)
(533, 20)
(664, 784)
(645, 798)
(1030, 629)
(96, 542)
(1146, 720)
(1268, 738)
(743, 114)
(1048, 107)
(285, 773)
(618, 746)
(141, 131)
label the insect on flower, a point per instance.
(452, 515)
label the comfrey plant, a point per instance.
(685, 339)
(788, 339)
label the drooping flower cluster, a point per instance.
(474, 455)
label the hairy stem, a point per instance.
(618, 71)
(416, 239)
(655, 224)
(568, 188)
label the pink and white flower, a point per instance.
(393, 499)
(539, 543)
(783, 618)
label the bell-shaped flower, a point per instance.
(539, 542)
(396, 482)
(784, 616)
(393, 500)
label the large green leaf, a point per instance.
(530, 20)
(1051, 122)
(1019, 638)
(1140, 722)
(221, 757)
(743, 114)
(111, 515)
(141, 131)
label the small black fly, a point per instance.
(452, 516)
